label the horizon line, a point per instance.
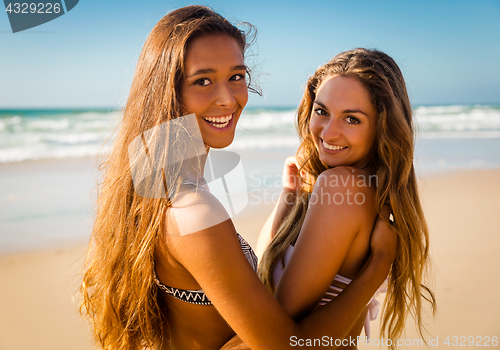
(111, 109)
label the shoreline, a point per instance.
(53, 195)
(40, 286)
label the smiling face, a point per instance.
(214, 87)
(343, 122)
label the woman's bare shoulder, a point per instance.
(347, 177)
(346, 185)
(193, 211)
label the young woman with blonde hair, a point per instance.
(355, 122)
(149, 284)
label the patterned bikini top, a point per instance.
(198, 296)
(333, 291)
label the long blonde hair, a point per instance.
(119, 294)
(392, 159)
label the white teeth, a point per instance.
(224, 119)
(333, 148)
(220, 126)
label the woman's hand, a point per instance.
(291, 178)
(384, 239)
(235, 343)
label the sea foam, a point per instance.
(44, 134)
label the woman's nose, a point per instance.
(332, 130)
(225, 96)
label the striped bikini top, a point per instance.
(332, 291)
(199, 297)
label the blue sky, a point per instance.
(449, 51)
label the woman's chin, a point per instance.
(219, 144)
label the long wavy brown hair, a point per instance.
(119, 294)
(392, 160)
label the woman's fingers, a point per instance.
(291, 180)
(292, 160)
(235, 344)
(384, 239)
(386, 211)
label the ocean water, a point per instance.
(53, 206)
(454, 136)
(48, 134)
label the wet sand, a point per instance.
(39, 300)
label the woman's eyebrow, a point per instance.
(240, 67)
(211, 70)
(349, 111)
(320, 104)
(201, 72)
(345, 111)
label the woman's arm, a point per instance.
(291, 185)
(214, 257)
(274, 221)
(335, 217)
(383, 244)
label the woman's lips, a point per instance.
(332, 148)
(219, 122)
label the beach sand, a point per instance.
(462, 210)
(39, 301)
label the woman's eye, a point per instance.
(352, 120)
(202, 82)
(320, 111)
(238, 77)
